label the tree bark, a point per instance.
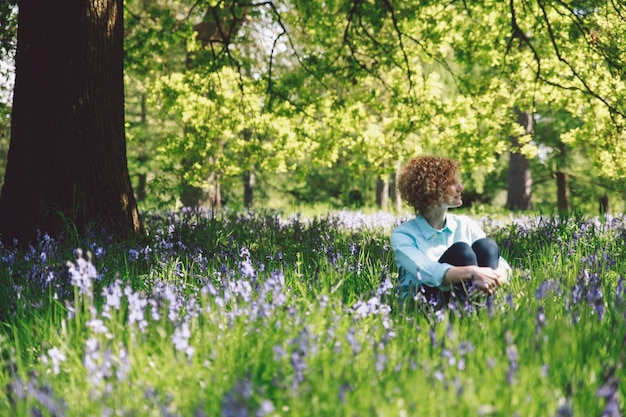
(396, 195)
(382, 193)
(562, 202)
(248, 188)
(67, 158)
(519, 196)
(605, 206)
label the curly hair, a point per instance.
(424, 180)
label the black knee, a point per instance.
(487, 252)
(459, 254)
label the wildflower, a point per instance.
(353, 248)
(97, 363)
(345, 387)
(154, 311)
(246, 269)
(466, 347)
(381, 362)
(385, 287)
(133, 255)
(546, 288)
(82, 273)
(609, 390)
(266, 407)
(97, 326)
(113, 295)
(540, 320)
(565, 410)
(136, 305)
(279, 352)
(299, 365)
(370, 307)
(123, 368)
(512, 355)
(234, 402)
(433, 337)
(56, 356)
(99, 252)
(450, 356)
(620, 291)
(439, 376)
(180, 338)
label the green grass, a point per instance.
(249, 315)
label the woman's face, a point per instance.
(453, 197)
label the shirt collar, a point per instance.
(428, 231)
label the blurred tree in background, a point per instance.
(365, 86)
(275, 103)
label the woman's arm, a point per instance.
(412, 259)
(485, 278)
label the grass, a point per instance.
(262, 314)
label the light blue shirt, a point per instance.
(418, 247)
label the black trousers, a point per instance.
(483, 252)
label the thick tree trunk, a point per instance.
(67, 158)
(519, 195)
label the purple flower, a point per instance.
(133, 255)
(83, 273)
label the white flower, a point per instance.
(180, 338)
(56, 356)
(97, 326)
(83, 272)
(113, 294)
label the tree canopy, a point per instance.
(369, 83)
(216, 90)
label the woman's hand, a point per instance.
(488, 279)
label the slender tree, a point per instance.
(519, 195)
(67, 158)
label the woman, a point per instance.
(439, 253)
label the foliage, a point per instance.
(366, 85)
(8, 28)
(317, 85)
(261, 314)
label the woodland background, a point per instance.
(283, 103)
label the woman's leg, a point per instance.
(487, 252)
(459, 254)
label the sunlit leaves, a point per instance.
(368, 83)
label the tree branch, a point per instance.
(401, 43)
(587, 89)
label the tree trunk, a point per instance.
(519, 195)
(208, 197)
(248, 189)
(562, 201)
(382, 193)
(67, 158)
(396, 195)
(605, 206)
